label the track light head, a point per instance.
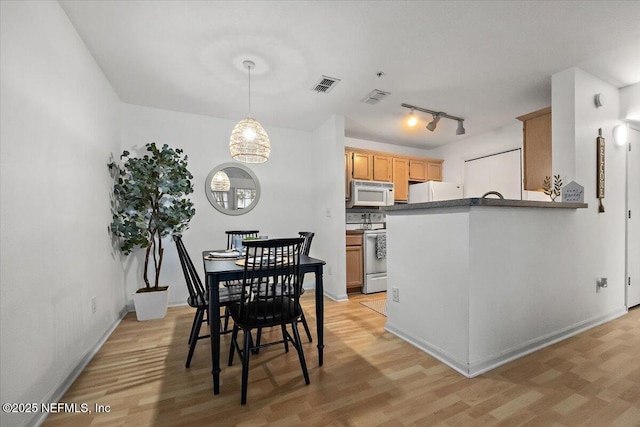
(432, 125)
(412, 120)
(460, 130)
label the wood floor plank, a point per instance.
(369, 378)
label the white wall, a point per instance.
(288, 186)
(328, 204)
(604, 258)
(59, 124)
(630, 104)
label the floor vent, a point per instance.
(375, 96)
(325, 84)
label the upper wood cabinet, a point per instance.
(347, 174)
(417, 170)
(434, 171)
(536, 131)
(389, 167)
(425, 170)
(362, 166)
(401, 180)
(382, 168)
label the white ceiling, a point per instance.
(484, 61)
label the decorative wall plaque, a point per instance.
(600, 170)
(573, 193)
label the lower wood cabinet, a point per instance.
(355, 263)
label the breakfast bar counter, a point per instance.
(480, 282)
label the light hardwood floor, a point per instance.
(369, 378)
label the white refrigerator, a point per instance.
(433, 191)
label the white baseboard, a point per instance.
(492, 362)
(75, 371)
(473, 369)
(438, 353)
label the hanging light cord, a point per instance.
(249, 67)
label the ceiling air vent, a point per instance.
(325, 84)
(375, 96)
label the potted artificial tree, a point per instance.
(149, 203)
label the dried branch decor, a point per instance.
(557, 187)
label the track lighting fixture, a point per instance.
(436, 118)
(437, 115)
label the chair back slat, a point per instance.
(191, 277)
(306, 245)
(271, 290)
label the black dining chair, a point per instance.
(239, 233)
(199, 298)
(270, 297)
(304, 250)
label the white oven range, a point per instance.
(375, 261)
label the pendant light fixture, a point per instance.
(249, 142)
(220, 182)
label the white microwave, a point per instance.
(370, 193)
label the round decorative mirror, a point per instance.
(232, 188)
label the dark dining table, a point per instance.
(221, 270)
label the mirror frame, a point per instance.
(209, 193)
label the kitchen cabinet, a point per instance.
(425, 170)
(370, 165)
(382, 168)
(536, 133)
(401, 179)
(348, 173)
(362, 166)
(417, 170)
(355, 263)
(434, 171)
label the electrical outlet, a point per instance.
(395, 294)
(94, 305)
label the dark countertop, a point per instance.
(483, 202)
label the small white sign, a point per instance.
(573, 193)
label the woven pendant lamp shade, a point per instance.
(249, 142)
(220, 182)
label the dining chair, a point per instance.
(304, 250)
(198, 298)
(239, 233)
(270, 297)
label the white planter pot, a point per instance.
(151, 305)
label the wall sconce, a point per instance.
(620, 134)
(437, 115)
(598, 100)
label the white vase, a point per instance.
(151, 305)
